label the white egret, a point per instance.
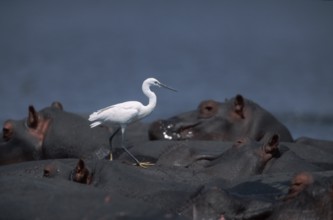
(127, 112)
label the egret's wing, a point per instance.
(122, 113)
(104, 109)
(99, 114)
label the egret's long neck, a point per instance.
(151, 96)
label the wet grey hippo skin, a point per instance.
(51, 133)
(235, 118)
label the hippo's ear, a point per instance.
(32, 120)
(81, 174)
(80, 166)
(272, 144)
(57, 105)
(239, 106)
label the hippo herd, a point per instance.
(224, 160)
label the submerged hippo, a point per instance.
(95, 186)
(52, 133)
(226, 183)
(309, 197)
(60, 193)
(227, 121)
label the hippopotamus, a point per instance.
(52, 133)
(309, 197)
(155, 188)
(214, 202)
(235, 118)
(230, 161)
(60, 192)
(193, 191)
(246, 157)
(95, 186)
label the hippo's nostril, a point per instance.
(46, 173)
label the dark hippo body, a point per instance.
(233, 160)
(57, 197)
(227, 121)
(316, 154)
(52, 133)
(327, 144)
(204, 180)
(217, 203)
(243, 178)
(308, 197)
(122, 189)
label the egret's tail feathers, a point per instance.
(96, 123)
(93, 116)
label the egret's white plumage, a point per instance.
(122, 113)
(127, 112)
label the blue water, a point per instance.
(90, 54)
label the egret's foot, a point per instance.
(144, 164)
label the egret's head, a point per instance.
(155, 82)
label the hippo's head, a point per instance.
(245, 158)
(58, 170)
(52, 133)
(23, 139)
(227, 121)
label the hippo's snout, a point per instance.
(168, 130)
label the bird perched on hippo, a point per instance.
(227, 121)
(127, 112)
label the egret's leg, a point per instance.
(141, 164)
(123, 144)
(110, 143)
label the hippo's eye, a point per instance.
(208, 108)
(240, 142)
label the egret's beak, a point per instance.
(167, 87)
